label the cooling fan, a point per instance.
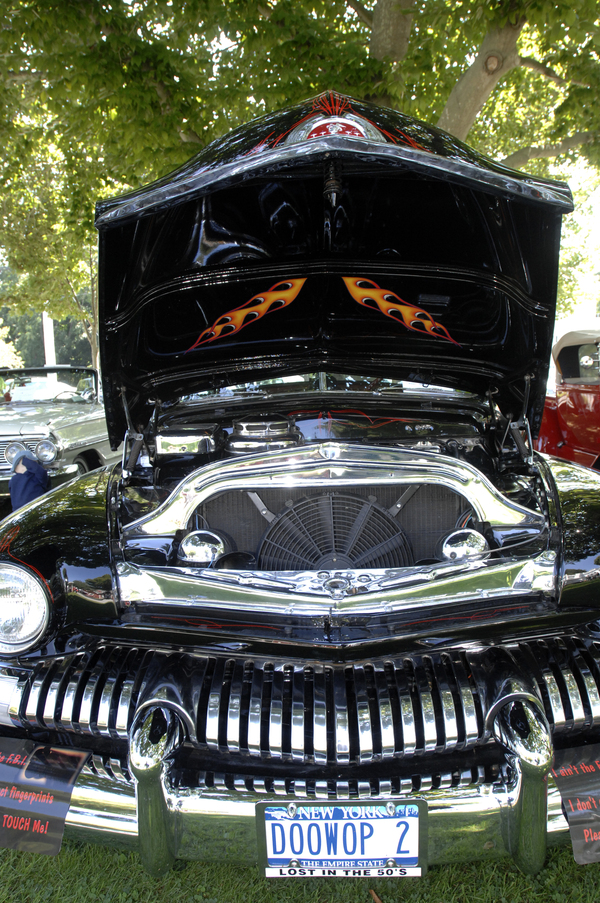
(333, 531)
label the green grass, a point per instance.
(85, 873)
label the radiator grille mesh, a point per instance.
(431, 511)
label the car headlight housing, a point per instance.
(24, 609)
(46, 451)
(12, 450)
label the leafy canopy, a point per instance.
(97, 96)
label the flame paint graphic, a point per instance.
(370, 295)
(279, 295)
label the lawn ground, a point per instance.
(91, 874)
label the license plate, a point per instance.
(342, 839)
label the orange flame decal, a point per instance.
(370, 295)
(279, 295)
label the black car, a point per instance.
(332, 614)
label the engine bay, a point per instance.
(248, 489)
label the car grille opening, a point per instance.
(334, 531)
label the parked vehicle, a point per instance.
(56, 414)
(571, 422)
(333, 613)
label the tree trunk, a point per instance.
(497, 56)
(392, 22)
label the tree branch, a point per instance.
(497, 56)
(392, 25)
(522, 157)
(189, 136)
(530, 63)
(362, 12)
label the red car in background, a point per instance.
(571, 422)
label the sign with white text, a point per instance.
(36, 782)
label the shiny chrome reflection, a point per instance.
(520, 726)
(215, 820)
(155, 734)
(463, 544)
(311, 466)
(202, 548)
(343, 591)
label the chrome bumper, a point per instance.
(218, 822)
(471, 815)
(476, 822)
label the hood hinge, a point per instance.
(516, 428)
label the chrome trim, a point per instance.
(401, 708)
(276, 714)
(215, 821)
(197, 442)
(530, 754)
(10, 696)
(308, 592)
(333, 464)
(154, 736)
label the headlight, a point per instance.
(12, 450)
(46, 451)
(24, 609)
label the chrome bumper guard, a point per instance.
(517, 816)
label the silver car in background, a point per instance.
(57, 414)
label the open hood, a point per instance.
(333, 235)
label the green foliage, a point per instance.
(24, 333)
(98, 96)
(9, 356)
(127, 91)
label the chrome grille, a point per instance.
(30, 442)
(372, 711)
(116, 770)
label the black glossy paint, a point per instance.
(63, 538)
(424, 218)
(578, 495)
(270, 138)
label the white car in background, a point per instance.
(56, 413)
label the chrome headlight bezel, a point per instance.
(24, 609)
(12, 450)
(46, 451)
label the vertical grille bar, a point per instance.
(406, 710)
(363, 716)
(52, 699)
(591, 688)
(468, 708)
(319, 715)
(340, 711)
(384, 706)
(297, 736)
(213, 711)
(255, 711)
(276, 715)
(426, 706)
(235, 708)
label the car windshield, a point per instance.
(322, 382)
(51, 386)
